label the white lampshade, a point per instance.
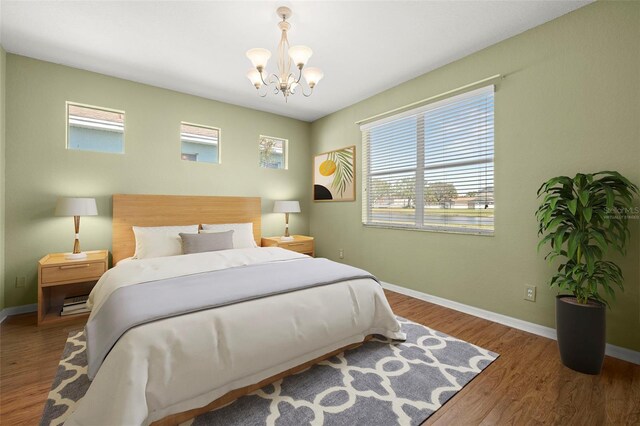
(259, 57)
(76, 207)
(312, 76)
(254, 76)
(286, 207)
(300, 54)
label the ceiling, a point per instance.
(198, 47)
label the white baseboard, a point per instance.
(530, 327)
(548, 332)
(16, 310)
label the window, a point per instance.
(273, 152)
(199, 143)
(95, 129)
(431, 168)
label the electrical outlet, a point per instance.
(341, 253)
(21, 282)
(530, 293)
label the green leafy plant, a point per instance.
(581, 218)
(343, 176)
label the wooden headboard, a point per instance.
(166, 210)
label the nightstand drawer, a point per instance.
(299, 246)
(72, 272)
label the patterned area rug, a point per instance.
(379, 383)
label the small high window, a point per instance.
(273, 152)
(96, 129)
(200, 143)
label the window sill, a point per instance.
(436, 230)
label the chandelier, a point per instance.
(284, 81)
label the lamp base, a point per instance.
(286, 238)
(75, 256)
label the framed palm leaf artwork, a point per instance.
(334, 175)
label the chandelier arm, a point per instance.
(272, 80)
(290, 85)
(269, 81)
(299, 74)
(262, 78)
(307, 95)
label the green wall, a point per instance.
(39, 168)
(3, 57)
(570, 102)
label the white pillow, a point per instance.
(159, 241)
(242, 233)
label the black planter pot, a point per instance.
(581, 334)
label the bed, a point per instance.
(168, 370)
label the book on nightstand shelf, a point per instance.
(76, 309)
(76, 300)
(75, 305)
(75, 312)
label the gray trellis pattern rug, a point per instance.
(382, 382)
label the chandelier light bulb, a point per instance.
(254, 77)
(312, 75)
(300, 55)
(259, 57)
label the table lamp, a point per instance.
(76, 207)
(286, 207)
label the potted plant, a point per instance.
(582, 218)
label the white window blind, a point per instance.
(432, 168)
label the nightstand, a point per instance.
(59, 278)
(300, 243)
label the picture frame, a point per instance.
(334, 175)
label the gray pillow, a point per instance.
(198, 243)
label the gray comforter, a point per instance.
(138, 304)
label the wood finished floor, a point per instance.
(526, 385)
